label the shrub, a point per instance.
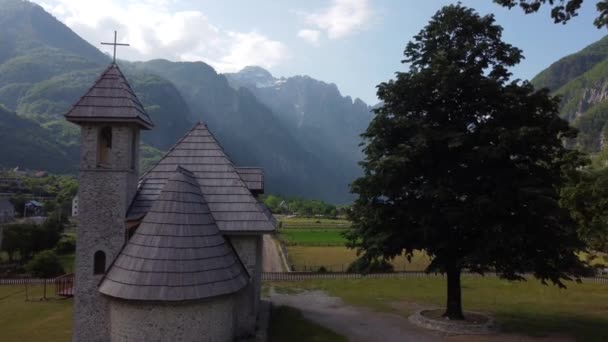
(45, 264)
(366, 265)
(66, 245)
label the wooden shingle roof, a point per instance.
(232, 205)
(178, 252)
(253, 178)
(110, 99)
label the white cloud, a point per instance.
(341, 18)
(311, 36)
(155, 31)
(251, 49)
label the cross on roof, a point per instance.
(115, 45)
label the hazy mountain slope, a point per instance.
(45, 67)
(315, 110)
(27, 145)
(250, 132)
(26, 27)
(326, 123)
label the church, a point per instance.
(174, 254)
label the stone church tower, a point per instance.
(110, 117)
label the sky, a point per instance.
(355, 44)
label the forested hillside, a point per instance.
(581, 79)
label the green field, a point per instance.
(50, 320)
(312, 237)
(35, 320)
(337, 259)
(299, 231)
(530, 308)
(288, 324)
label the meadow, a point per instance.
(313, 243)
(37, 320)
(526, 308)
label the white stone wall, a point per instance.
(249, 250)
(204, 321)
(104, 196)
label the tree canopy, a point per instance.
(586, 195)
(561, 10)
(465, 164)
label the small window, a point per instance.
(134, 147)
(99, 264)
(104, 151)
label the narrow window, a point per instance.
(104, 150)
(134, 147)
(99, 263)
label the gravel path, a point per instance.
(271, 259)
(357, 324)
(363, 325)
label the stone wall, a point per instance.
(249, 250)
(209, 321)
(104, 196)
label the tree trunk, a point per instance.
(454, 303)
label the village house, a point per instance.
(175, 255)
(33, 208)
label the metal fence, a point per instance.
(300, 276)
(28, 281)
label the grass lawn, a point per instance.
(312, 237)
(34, 320)
(51, 320)
(288, 324)
(528, 307)
(337, 259)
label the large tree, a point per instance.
(465, 164)
(586, 196)
(561, 10)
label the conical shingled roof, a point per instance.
(232, 205)
(177, 253)
(110, 99)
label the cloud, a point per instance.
(251, 49)
(311, 36)
(154, 30)
(341, 18)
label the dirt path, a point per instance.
(271, 259)
(363, 325)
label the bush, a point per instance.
(66, 245)
(366, 265)
(28, 239)
(45, 264)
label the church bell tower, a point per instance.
(110, 118)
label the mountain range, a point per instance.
(302, 131)
(306, 140)
(581, 80)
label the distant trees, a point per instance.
(586, 196)
(465, 164)
(45, 264)
(561, 11)
(26, 239)
(299, 206)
